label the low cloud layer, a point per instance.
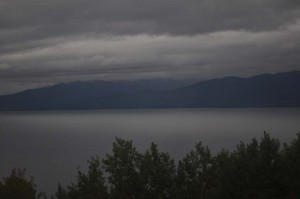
(47, 42)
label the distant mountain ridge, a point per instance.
(267, 90)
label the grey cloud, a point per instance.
(218, 51)
(58, 17)
(21, 21)
(45, 42)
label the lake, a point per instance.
(51, 145)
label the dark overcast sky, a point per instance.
(50, 41)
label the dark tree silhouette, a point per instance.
(258, 169)
(291, 168)
(88, 186)
(196, 174)
(157, 174)
(17, 186)
(123, 168)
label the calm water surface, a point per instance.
(51, 145)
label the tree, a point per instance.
(61, 192)
(42, 195)
(245, 162)
(255, 169)
(123, 170)
(225, 176)
(268, 179)
(196, 174)
(17, 186)
(88, 186)
(291, 167)
(157, 174)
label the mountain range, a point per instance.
(266, 90)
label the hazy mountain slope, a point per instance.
(266, 90)
(77, 95)
(276, 90)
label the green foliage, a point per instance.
(225, 179)
(157, 174)
(291, 167)
(88, 186)
(42, 195)
(123, 170)
(252, 170)
(61, 192)
(259, 169)
(16, 186)
(196, 174)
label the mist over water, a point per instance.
(51, 145)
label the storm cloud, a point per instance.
(47, 42)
